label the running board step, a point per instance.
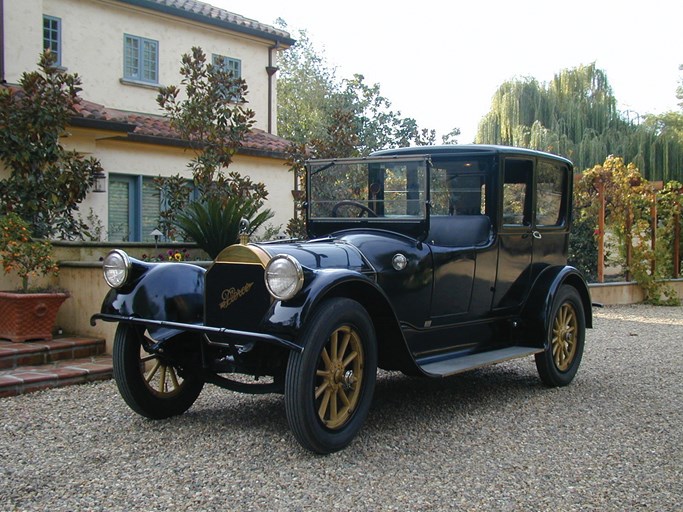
(458, 364)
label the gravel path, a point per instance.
(493, 439)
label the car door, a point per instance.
(551, 210)
(515, 235)
(534, 230)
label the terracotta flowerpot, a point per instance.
(29, 316)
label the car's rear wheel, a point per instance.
(329, 386)
(558, 363)
(147, 382)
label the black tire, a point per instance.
(558, 363)
(329, 386)
(157, 392)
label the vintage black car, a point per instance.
(429, 260)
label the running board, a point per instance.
(453, 365)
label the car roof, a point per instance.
(461, 149)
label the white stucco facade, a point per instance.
(92, 45)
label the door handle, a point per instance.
(536, 235)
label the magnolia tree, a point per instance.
(213, 119)
(46, 183)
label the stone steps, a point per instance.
(63, 361)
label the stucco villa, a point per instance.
(124, 50)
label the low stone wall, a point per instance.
(625, 293)
(87, 287)
(81, 275)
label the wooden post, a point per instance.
(601, 233)
(677, 243)
(653, 242)
(629, 244)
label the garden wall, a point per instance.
(81, 275)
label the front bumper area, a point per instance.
(237, 336)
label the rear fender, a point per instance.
(536, 312)
(171, 292)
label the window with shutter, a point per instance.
(151, 201)
(134, 206)
(119, 209)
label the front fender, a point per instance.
(290, 316)
(537, 310)
(171, 292)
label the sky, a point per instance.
(441, 61)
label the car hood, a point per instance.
(322, 254)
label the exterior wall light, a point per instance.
(100, 184)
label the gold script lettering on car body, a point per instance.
(230, 295)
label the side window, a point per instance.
(458, 187)
(550, 182)
(232, 66)
(140, 59)
(52, 37)
(121, 206)
(517, 193)
(468, 195)
(134, 206)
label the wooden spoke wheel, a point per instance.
(339, 377)
(329, 386)
(161, 378)
(558, 363)
(564, 340)
(148, 384)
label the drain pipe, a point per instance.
(271, 70)
(2, 42)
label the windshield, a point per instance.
(374, 190)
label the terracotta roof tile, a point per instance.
(156, 126)
(221, 15)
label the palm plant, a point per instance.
(214, 223)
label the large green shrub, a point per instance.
(213, 119)
(46, 183)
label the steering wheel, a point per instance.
(347, 202)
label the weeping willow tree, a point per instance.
(576, 116)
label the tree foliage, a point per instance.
(209, 112)
(576, 116)
(320, 110)
(212, 117)
(22, 254)
(629, 201)
(46, 183)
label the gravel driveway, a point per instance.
(493, 439)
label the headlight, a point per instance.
(284, 277)
(116, 267)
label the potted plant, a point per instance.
(28, 313)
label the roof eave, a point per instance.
(181, 143)
(102, 124)
(200, 18)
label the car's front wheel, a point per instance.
(149, 384)
(329, 385)
(558, 363)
